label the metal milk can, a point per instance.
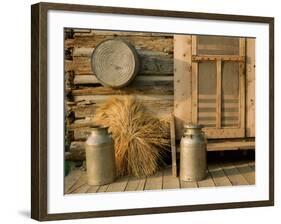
(100, 157)
(193, 161)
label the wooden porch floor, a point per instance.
(219, 174)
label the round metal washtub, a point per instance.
(115, 63)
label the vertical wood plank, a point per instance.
(218, 98)
(182, 81)
(173, 146)
(250, 87)
(194, 82)
(242, 92)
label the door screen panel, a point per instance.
(209, 45)
(218, 86)
(230, 94)
(207, 94)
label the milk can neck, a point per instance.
(192, 129)
(98, 130)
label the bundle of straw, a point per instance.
(140, 139)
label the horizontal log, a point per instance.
(141, 98)
(89, 33)
(91, 79)
(235, 58)
(156, 108)
(154, 43)
(152, 63)
(163, 89)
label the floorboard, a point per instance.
(218, 175)
(118, 185)
(154, 182)
(233, 174)
(246, 171)
(170, 181)
(208, 182)
(71, 179)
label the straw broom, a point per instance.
(140, 139)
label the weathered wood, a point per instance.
(173, 145)
(182, 81)
(151, 62)
(71, 179)
(207, 182)
(93, 189)
(91, 79)
(79, 183)
(141, 98)
(154, 43)
(218, 176)
(90, 32)
(165, 89)
(194, 83)
(135, 184)
(230, 132)
(233, 174)
(119, 185)
(159, 108)
(169, 180)
(246, 171)
(235, 145)
(242, 91)
(223, 174)
(236, 58)
(218, 92)
(154, 182)
(102, 188)
(250, 87)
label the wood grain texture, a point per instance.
(182, 81)
(169, 180)
(235, 177)
(154, 182)
(194, 83)
(71, 179)
(250, 87)
(173, 145)
(218, 175)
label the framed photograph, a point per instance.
(138, 111)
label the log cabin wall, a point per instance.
(153, 86)
(165, 83)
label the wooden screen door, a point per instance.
(218, 85)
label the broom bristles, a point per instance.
(140, 139)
